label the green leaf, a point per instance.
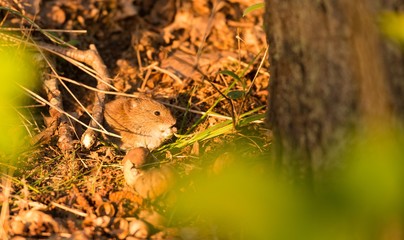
(391, 24)
(235, 77)
(253, 8)
(236, 94)
(231, 74)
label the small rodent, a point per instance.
(141, 122)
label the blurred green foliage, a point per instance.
(16, 68)
(362, 200)
(392, 25)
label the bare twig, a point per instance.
(217, 6)
(58, 120)
(91, 58)
(68, 209)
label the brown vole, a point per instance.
(141, 122)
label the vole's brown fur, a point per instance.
(141, 122)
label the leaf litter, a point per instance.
(171, 50)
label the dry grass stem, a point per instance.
(81, 105)
(10, 29)
(263, 59)
(172, 75)
(39, 98)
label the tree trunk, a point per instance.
(328, 76)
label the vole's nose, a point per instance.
(174, 129)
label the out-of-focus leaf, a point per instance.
(392, 25)
(16, 68)
(373, 180)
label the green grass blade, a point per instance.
(222, 128)
(253, 8)
(231, 74)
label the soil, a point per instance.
(173, 51)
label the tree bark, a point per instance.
(330, 73)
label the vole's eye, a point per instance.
(157, 113)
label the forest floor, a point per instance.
(198, 56)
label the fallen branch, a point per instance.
(91, 58)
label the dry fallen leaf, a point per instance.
(106, 209)
(139, 229)
(120, 228)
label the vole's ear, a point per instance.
(134, 103)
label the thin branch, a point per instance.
(68, 209)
